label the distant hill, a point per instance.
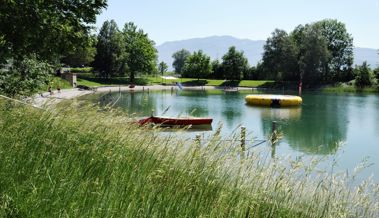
(217, 46)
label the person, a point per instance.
(49, 90)
(59, 88)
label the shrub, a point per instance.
(363, 76)
(24, 77)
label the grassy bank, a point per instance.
(349, 88)
(81, 162)
(89, 80)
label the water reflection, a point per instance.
(321, 129)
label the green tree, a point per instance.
(82, 55)
(234, 64)
(48, 29)
(110, 48)
(162, 67)
(217, 72)
(24, 77)
(280, 57)
(376, 73)
(180, 58)
(197, 65)
(340, 46)
(314, 54)
(141, 53)
(363, 76)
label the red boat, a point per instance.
(177, 121)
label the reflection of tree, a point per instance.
(321, 126)
(192, 103)
(139, 103)
(229, 112)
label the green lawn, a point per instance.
(89, 80)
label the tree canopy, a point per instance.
(320, 52)
(141, 55)
(49, 29)
(162, 67)
(197, 65)
(180, 58)
(234, 64)
(110, 48)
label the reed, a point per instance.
(83, 162)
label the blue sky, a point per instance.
(170, 20)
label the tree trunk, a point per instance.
(131, 78)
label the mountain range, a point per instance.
(217, 46)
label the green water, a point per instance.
(342, 128)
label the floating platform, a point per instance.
(274, 100)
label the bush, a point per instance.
(376, 73)
(24, 77)
(363, 76)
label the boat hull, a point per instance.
(180, 121)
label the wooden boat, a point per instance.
(177, 121)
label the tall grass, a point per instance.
(81, 162)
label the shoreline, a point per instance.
(43, 98)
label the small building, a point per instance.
(70, 77)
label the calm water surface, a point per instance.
(314, 129)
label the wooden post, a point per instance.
(273, 129)
(274, 133)
(243, 138)
(198, 139)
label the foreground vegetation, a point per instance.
(80, 162)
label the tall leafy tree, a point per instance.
(197, 65)
(162, 67)
(180, 58)
(217, 72)
(141, 53)
(82, 55)
(110, 49)
(340, 46)
(314, 54)
(48, 29)
(280, 57)
(234, 64)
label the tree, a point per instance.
(110, 48)
(340, 46)
(162, 67)
(314, 54)
(24, 77)
(83, 55)
(280, 57)
(217, 72)
(234, 64)
(179, 59)
(141, 53)
(197, 65)
(363, 75)
(48, 29)
(376, 73)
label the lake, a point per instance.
(338, 127)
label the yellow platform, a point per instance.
(274, 100)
